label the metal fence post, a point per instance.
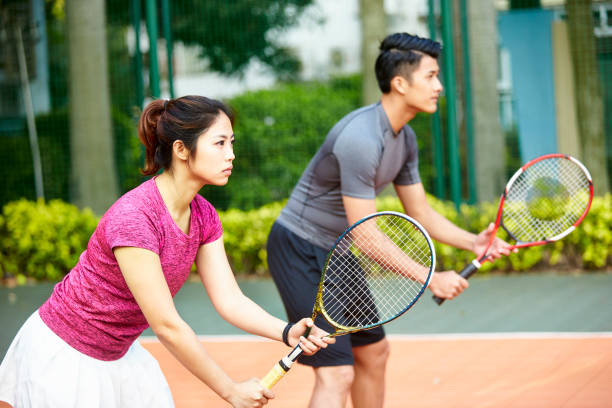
(151, 10)
(438, 151)
(451, 113)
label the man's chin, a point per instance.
(432, 109)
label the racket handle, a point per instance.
(274, 375)
(468, 271)
(281, 368)
(438, 300)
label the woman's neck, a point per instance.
(176, 192)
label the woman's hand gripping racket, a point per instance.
(376, 270)
(545, 200)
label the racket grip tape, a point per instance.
(276, 373)
(468, 271)
(280, 369)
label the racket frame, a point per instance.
(472, 267)
(283, 365)
(319, 297)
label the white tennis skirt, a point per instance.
(40, 370)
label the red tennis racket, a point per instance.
(545, 200)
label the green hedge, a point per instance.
(588, 247)
(43, 240)
(277, 132)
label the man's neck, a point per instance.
(396, 111)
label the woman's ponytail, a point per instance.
(147, 133)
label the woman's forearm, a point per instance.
(247, 315)
(183, 343)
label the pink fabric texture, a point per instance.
(92, 308)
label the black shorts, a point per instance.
(296, 265)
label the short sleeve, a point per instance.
(358, 159)
(208, 218)
(409, 173)
(128, 225)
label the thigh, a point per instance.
(295, 266)
(45, 371)
(295, 269)
(350, 301)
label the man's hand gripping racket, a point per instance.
(545, 200)
(376, 270)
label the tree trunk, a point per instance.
(93, 174)
(589, 100)
(373, 31)
(488, 136)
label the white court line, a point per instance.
(502, 336)
(418, 337)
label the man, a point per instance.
(364, 152)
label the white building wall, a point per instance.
(327, 41)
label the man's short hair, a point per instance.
(400, 54)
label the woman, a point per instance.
(80, 348)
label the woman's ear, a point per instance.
(180, 150)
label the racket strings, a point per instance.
(372, 275)
(546, 200)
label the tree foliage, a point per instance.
(251, 29)
(524, 4)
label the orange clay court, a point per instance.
(556, 371)
(529, 340)
(573, 370)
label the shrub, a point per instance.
(277, 132)
(588, 247)
(245, 235)
(42, 240)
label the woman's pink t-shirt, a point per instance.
(92, 308)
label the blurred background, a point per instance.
(522, 78)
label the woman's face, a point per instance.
(214, 154)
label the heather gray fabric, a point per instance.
(360, 156)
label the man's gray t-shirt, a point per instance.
(360, 156)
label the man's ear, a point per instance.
(180, 150)
(399, 84)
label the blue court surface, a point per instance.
(514, 305)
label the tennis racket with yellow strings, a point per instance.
(376, 270)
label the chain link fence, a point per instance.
(530, 77)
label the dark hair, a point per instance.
(400, 54)
(164, 122)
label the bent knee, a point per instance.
(337, 377)
(373, 355)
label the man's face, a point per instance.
(424, 87)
